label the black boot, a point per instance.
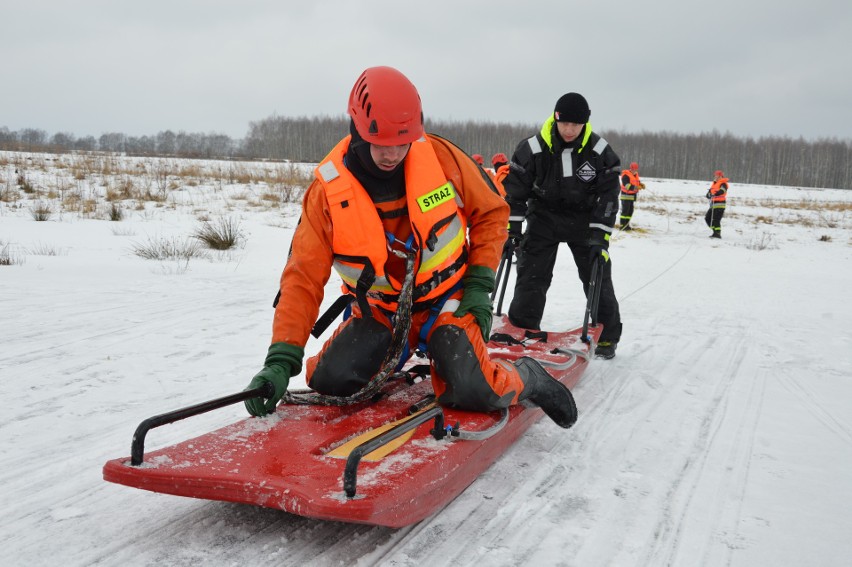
(716, 235)
(547, 392)
(606, 349)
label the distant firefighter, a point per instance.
(499, 160)
(630, 187)
(718, 195)
(500, 165)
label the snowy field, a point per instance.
(721, 434)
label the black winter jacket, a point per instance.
(586, 194)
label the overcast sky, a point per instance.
(749, 67)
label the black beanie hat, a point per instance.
(572, 107)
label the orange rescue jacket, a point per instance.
(446, 193)
(498, 177)
(360, 244)
(632, 186)
(718, 192)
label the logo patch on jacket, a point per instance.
(586, 172)
(437, 196)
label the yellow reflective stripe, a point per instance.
(441, 254)
(436, 197)
(382, 285)
(444, 239)
(350, 274)
(546, 129)
(586, 137)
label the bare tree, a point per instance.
(33, 138)
(166, 144)
(766, 161)
(86, 143)
(112, 142)
(63, 141)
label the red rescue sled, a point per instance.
(393, 462)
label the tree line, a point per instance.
(763, 161)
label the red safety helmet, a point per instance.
(499, 158)
(385, 107)
(634, 166)
(718, 173)
(478, 159)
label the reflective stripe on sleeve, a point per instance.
(534, 145)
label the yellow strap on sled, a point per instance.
(343, 451)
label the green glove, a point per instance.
(478, 285)
(282, 361)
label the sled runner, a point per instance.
(390, 462)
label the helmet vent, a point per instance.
(374, 128)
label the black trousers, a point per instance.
(713, 218)
(626, 211)
(535, 274)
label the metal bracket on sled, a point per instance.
(350, 473)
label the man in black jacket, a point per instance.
(564, 182)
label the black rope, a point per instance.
(402, 325)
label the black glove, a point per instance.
(598, 250)
(598, 246)
(515, 231)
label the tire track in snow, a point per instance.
(217, 533)
(711, 476)
(812, 405)
(495, 510)
(132, 321)
(501, 501)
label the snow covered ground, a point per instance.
(721, 434)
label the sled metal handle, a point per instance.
(350, 473)
(592, 302)
(137, 447)
(503, 270)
